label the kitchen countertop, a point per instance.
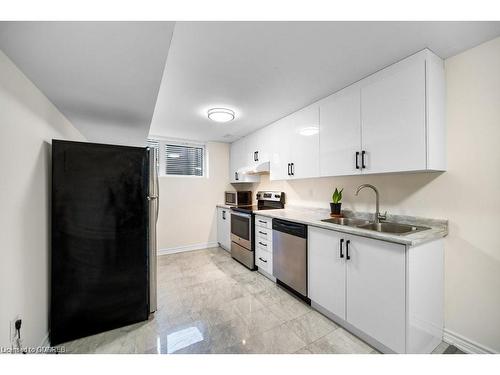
(313, 217)
(221, 205)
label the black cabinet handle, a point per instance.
(347, 249)
(292, 169)
(224, 215)
(363, 159)
(289, 169)
(357, 158)
(263, 244)
(341, 250)
(256, 156)
(262, 221)
(262, 232)
(265, 261)
(236, 176)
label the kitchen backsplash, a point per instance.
(399, 193)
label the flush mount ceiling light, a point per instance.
(220, 114)
(310, 130)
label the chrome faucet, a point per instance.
(378, 216)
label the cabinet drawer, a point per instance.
(263, 233)
(264, 222)
(264, 260)
(265, 245)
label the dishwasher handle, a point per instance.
(295, 229)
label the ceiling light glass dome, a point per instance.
(221, 114)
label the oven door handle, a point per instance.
(248, 216)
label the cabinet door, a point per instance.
(376, 290)
(326, 270)
(223, 228)
(393, 118)
(252, 148)
(226, 229)
(279, 152)
(220, 226)
(303, 131)
(238, 161)
(340, 133)
(265, 143)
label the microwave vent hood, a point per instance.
(262, 168)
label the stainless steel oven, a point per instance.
(238, 198)
(242, 238)
(241, 229)
(242, 225)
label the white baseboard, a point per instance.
(181, 249)
(464, 344)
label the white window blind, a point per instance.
(184, 160)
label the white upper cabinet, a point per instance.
(266, 141)
(252, 148)
(279, 154)
(391, 121)
(296, 149)
(259, 146)
(302, 138)
(340, 133)
(393, 118)
(238, 162)
(237, 158)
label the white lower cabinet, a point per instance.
(264, 260)
(224, 228)
(326, 273)
(369, 285)
(264, 246)
(376, 289)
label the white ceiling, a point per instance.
(107, 76)
(103, 76)
(266, 70)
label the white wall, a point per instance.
(468, 194)
(28, 122)
(187, 204)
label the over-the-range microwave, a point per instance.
(238, 198)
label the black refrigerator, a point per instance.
(103, 258)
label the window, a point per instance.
(184, 160)
(179, 158)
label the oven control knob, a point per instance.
(276, 195)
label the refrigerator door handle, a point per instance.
(153, 219)
(157, 191)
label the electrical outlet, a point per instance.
(13, 331)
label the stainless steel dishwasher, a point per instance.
(290, 255)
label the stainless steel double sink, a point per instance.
(384, 226)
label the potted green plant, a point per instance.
(335, 203)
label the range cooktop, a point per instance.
(252, 209)
(266, 200)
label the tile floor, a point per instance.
(209, 303)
